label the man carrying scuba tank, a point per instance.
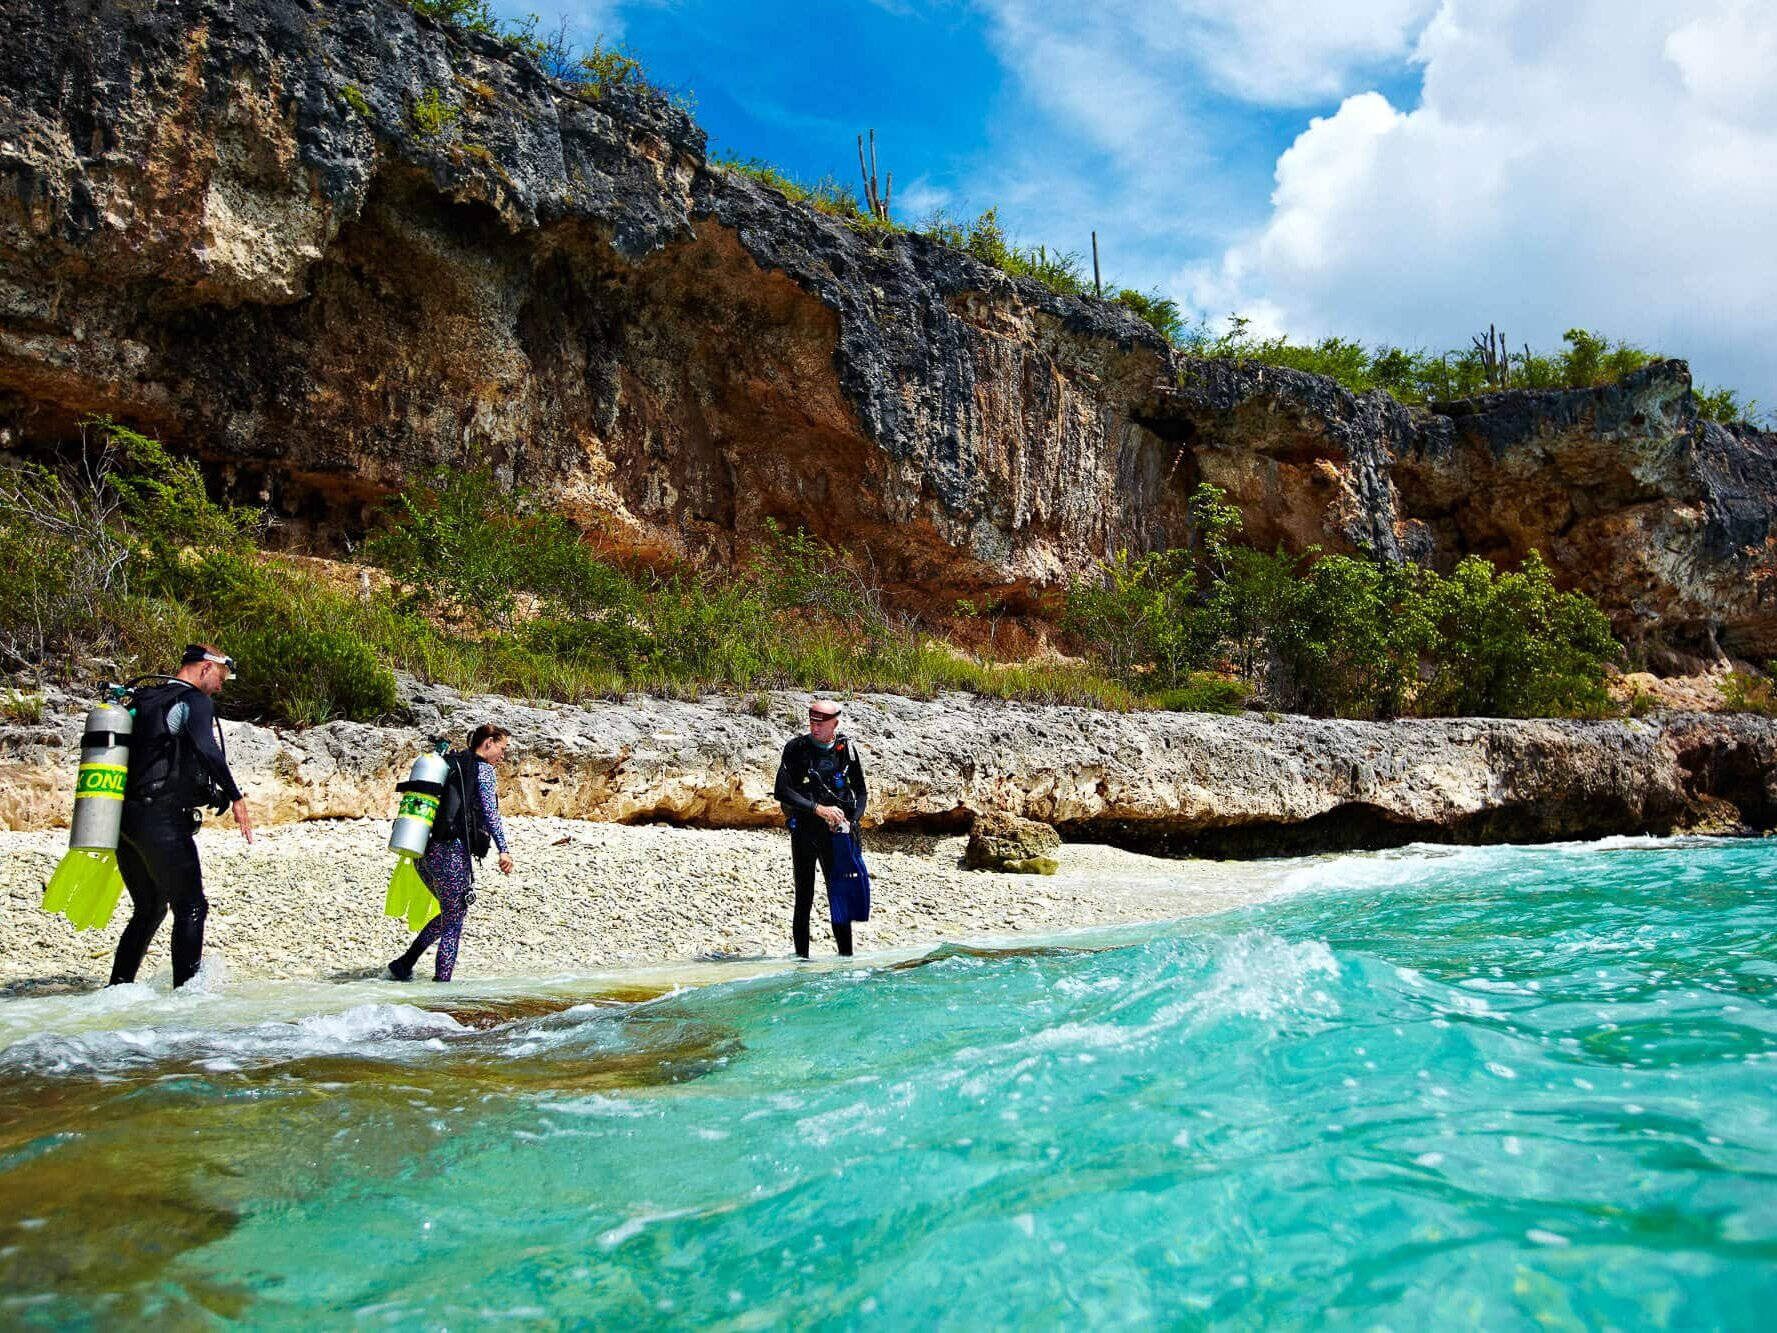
(177, 765)
(820, 788)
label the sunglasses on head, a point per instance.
(823, 717)
(225, 662)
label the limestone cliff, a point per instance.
(1196, 783)
(328, 245)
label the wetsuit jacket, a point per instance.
(809, 776)
(175, 760)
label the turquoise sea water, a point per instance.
(1495, 1087)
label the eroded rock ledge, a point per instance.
(1178, 783)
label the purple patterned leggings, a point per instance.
(446, 870)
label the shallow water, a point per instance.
(1502, 1087)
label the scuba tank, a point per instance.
(87, 884)
(408, 895)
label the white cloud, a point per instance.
(1282, 52)
(1130, 117)
(1596, 162)
(1124, 58)
(1728, 60)
(920, 199)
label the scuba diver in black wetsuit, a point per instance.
(176, 765)
(820, 786)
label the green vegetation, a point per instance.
(432, 115)
(17, 706)
(112, 565)
(1725, 406)
(492, 592)
(353, 96)
(1329, 634)
(827, 195)
(1745, 692)
(115, 564)
(466, 15)
(1417, 376)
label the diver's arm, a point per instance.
(200, 731)
(490, 811)
(854, 779)
(490, 806)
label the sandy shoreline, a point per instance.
(306, 901)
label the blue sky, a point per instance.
(1406, 171)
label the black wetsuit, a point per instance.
(176, 765)
(809, 776)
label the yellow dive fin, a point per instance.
(85, 887)
(408, 895)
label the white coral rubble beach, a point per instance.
(305, 901)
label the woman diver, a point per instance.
(468, 818)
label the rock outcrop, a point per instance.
(999, 841)
(1174, 782)
(328, 246)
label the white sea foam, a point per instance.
(365, 1029)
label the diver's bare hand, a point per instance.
(244, 820)
(505, 863)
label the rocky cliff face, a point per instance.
(1182, 783)
(234, 224)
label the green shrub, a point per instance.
(1144, 618)
(465, 15)
(432, 115)
(301, 660)
(305, 675)
(1745, 692)
(1724, 406)
(18, 707)
(77, 545)
(1513, 645)
(1204, 693)
(1159, 311)
(353, 96)
(451, 549)
(1419, 376)
(1350, 637)
(984, 239)
(796, 572)
(827, 195)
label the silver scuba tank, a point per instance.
(420, 795)
(98, 787)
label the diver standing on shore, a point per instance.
(820, 787)
(177, 764)
(468, 820)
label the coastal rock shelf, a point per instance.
(326, 247)
(1179, 783)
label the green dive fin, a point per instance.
(408, 895)
(85, 888)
